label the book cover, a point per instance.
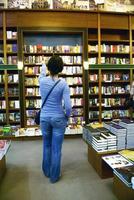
(125, 174)
(116, 161)
(18, 4)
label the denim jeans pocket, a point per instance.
(59, 122)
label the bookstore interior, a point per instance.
(98, 55)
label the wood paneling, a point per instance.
(114, 21)
(51, 19)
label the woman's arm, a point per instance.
(43, 72)
(67, 101)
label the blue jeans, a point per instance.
(53, 130)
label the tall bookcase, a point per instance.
(37, 46)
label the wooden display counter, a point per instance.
(95, 159)
(2, 167)
(121, 190)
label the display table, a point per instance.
(95, 159)
(2, 167)
(121, 190)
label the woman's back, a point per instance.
(53, 105)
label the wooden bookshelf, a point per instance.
(105, 36)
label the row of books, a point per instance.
(36, 70)
(41, 59)
(40, 48)
(11, 34)
(76, 90)
(116, 76)
(73, 80)
(13, 91)
(72, 70)
(14, 104)
(12, 48)
(121, 48)
(32, 91)
(114, 114)
(32, 70)
(109, 102)
(69, 80)
(76, 120)
(93, 77)
(14, 117)
(8, 130)
(108, 114)
(22, 132)
(12, 60)
(13, 78)
(109, 60)
(108, 90)
(93, 90)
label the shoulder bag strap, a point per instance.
(49, 93)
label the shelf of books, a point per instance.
(109, 86)
(11, 45)
(115, 46)
(38, 47)
(9, 95)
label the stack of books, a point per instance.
(99, 143)
(129, 125)
(88, 133)
(111, 138)
(120, 132)
(125, 174)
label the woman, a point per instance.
(54, 116)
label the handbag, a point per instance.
(37, 116)
(129, 103)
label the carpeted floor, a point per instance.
(24, 179)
